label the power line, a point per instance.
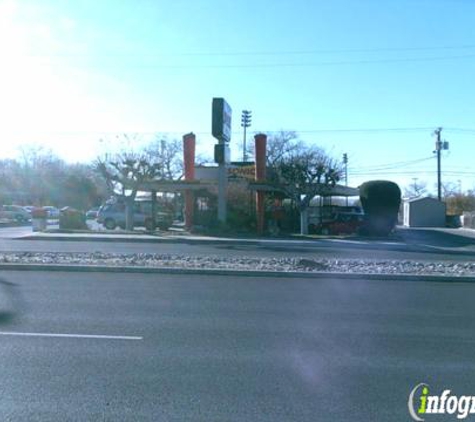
(375, 130)
(390, 166)
(354, 130)
(409, 172)
(314, 64)
(462, 130)
(132, 64)
(261, 53)
(273, 131)
(455, 172)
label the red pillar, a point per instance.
(260, 148)
(189, 143)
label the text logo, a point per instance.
(421, 404)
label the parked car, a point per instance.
(92, 213)
(341, 223)
(112, 215)
(53, 212)
(29, 208)
(14, 213)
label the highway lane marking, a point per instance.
(57, 335)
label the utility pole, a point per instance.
(345, 162)
(439, 146)
(246, 118)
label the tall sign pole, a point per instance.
(221, 130)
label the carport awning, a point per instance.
(181, 185)
(173, 185)
(337, 190)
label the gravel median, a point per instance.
(294, 264)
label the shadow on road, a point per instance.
(339, 250)
(434, 237)
(421, 241)
(11, 303)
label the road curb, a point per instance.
(242, 273)
(163, 240)
(186, 240)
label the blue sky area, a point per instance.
(369, 78)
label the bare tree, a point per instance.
(40, 173)
(415, 189)
(124, 173)
(460, 203)
(37, 176)
(282, 144)
(300, 171)
(279, 144)
(450, 189)
(81, 188)
(203, 158)
(169, 153)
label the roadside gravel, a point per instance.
(355, 266)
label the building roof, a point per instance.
(425, 198)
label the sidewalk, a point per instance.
(296, 241)
(151, 238)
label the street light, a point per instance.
(246, 118)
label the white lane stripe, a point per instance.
(93, 336)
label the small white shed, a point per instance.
(424, 212)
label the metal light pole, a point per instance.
(246, 118)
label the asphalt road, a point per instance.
(228, 349)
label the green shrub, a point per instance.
(380, 200)
(71, 219)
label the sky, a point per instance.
(369, 78)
